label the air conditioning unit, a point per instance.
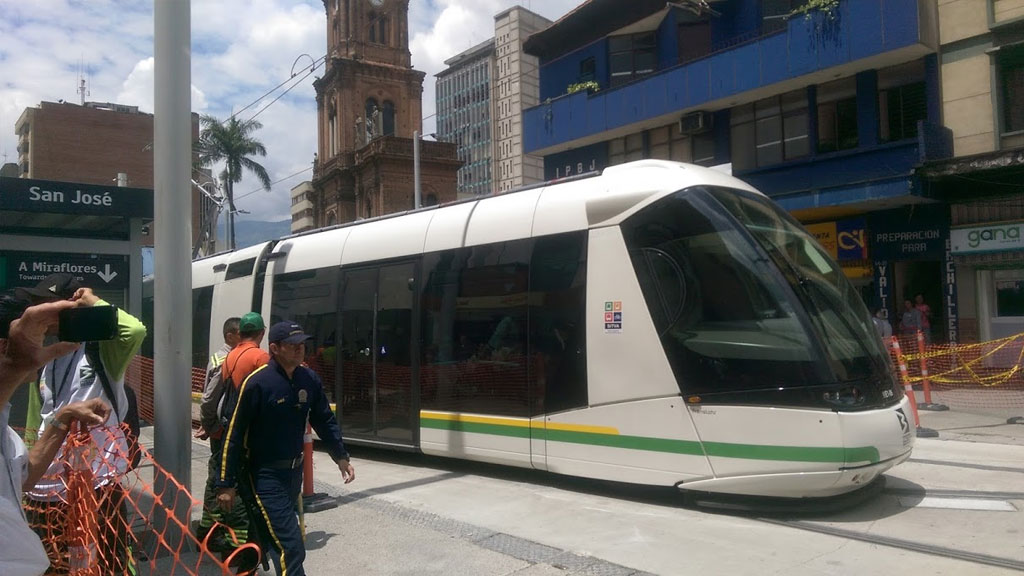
(695, 123)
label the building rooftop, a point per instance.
(482, 49)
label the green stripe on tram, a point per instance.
(666, 445)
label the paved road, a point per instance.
(954, 508)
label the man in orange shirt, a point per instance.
(247, 356)
(241, 361)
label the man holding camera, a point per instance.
(88, 372)
(22, 354)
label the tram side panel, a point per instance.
(637, 428)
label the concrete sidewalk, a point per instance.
(368, 535)
(968, 425)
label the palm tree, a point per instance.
(232, 143)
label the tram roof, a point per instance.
(587, 201)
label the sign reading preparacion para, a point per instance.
(25, 269)
(613, 317)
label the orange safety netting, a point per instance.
(97, 519)
(987, 376)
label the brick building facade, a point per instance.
(368, 106)
(91, 144)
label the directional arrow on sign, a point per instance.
(106, 275)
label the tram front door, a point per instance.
(377, 311)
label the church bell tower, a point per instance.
(368, 107)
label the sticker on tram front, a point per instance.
(908, 432)
(613, 317)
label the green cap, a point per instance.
(251, 322)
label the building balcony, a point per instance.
(395, 146)
(864, 34)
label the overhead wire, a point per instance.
(311, 67)
(260, 189)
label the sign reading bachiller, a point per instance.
(1000, 237)
(27, 195)
(24, 269)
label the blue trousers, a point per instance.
(277, 495)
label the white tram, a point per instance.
(659, 323)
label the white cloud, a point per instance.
(241, 49)
(138, 88)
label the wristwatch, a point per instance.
(52, 420)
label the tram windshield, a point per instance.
(743, 298)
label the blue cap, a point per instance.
(287, 332)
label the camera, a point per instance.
(83, 324)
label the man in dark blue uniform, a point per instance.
(266, 429)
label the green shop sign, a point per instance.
(997, 237)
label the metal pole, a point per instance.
(417, 193)
(172, 293)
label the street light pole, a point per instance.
(416, 192)
(172, 290)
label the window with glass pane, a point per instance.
(310, 298)
(474, 330)
(769, 131)
(694, 40)
(202, 308)
(1011, 75)
(680, 146)
(631, 56)
(557, 339)
(703, 148)
(635, 147)
(723, 315)
(837, 125)
(1009, 294)
(587, 70)
(658, 142)
(899, 109)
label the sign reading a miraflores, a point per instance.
(96, 271)
(997, 237)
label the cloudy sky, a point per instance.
(241, 50)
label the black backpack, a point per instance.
(226, 407)
(131, 418)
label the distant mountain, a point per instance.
(247, 233)
(251, 232)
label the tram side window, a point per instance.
(310, 298)
(557, 322)
(474, 307)
(202, 308)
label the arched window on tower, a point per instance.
(379, 29)
(388, 113)
(332, 218)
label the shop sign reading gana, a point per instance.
(986, 239)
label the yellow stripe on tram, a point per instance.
(517, 422)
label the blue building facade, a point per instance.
(829, 111)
